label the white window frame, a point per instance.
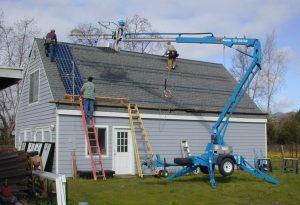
(38, 129)
(25, 135)
(106, 144)
(19, 139)
(48, 129)
(42, 130)
(38, 92)
(26, 131)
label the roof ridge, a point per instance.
(136, 53)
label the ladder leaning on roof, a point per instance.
(135, 116)
(92, 144)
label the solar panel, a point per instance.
(68, 70)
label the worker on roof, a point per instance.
(50, 44)
(88, 93)
(172, 54)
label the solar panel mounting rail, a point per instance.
(66, 64)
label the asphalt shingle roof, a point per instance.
(141, 78)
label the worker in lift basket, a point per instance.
(88, 93)
(172, 54)
(50, 44)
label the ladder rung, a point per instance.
(141, 141)
(144, 154)
(91, 137)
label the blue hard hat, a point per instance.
(121, 23)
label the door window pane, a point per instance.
(122, 142)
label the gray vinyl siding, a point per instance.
(72, 137)
(41, 113)
(165, 137)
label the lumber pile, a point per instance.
(13, 168)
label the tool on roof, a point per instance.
(167, 92)
(216, 152)
(94, 150)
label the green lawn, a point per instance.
(240, 188)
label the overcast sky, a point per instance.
(231, 18)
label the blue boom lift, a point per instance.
(216, 152)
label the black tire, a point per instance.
(204, 169)
(183, 161)
(226, 167)
(159, 174)
(162, 173)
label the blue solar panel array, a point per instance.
(64, 60)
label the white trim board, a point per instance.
(157, 116)
(57, 143)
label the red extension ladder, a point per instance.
(92, 138)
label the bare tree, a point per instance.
(269, 80)
(274, 61)
(86, 33)
(240, 64)
(89, 34)
(16, 42)
(138, 24)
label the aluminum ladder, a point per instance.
(92, 144)
(185, 149)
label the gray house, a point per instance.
(197, 93)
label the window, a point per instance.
(102, 139)
(21, 138)
(122, 142)
(47, 135)
(34, 87)
(28, 135)
(38, 136)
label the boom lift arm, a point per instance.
(219, 128)
(216, 153)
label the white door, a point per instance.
(123, 152)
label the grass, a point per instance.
(240, 188)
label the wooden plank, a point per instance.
(13, 166)
(22, 180)
(15, 173)
(7, 156)
(159, 108)
(17, 188)
(122, 101)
